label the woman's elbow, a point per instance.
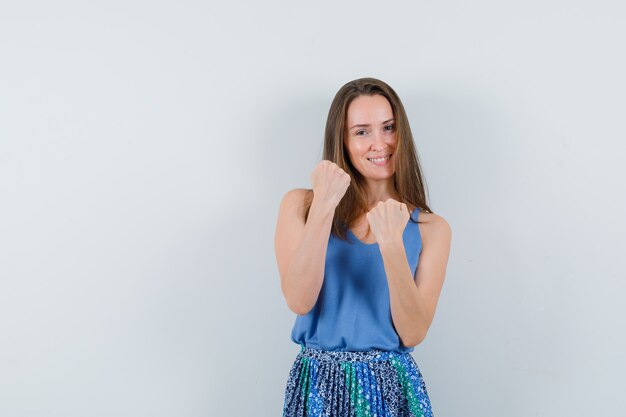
(298, 302)
(298, 308)
(298, 305)
(414, 340)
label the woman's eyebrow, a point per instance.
(366, 125)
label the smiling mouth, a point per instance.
(380, 161)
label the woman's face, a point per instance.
(371, 135)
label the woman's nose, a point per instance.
(379, 141)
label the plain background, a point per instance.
(145, 147)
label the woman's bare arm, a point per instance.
(301, 249)
(414, 298)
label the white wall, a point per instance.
(145, 146)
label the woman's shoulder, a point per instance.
(433, 226)
(295, 200)
(296, 197)
(297, 193)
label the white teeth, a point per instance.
(379, 159)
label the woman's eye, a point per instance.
(360, 132)
(389, 128)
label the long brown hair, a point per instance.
(408, 178)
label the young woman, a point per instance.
(356, 266)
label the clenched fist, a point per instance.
(330, 182)
(388, 220)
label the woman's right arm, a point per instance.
(301, 248)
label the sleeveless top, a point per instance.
(353, 309)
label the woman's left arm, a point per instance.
(414, 299)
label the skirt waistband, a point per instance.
(372, 355)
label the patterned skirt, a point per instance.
(373, 383)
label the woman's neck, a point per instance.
(380, 191)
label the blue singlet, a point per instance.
(353, 311)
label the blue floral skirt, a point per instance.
(373, 383)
